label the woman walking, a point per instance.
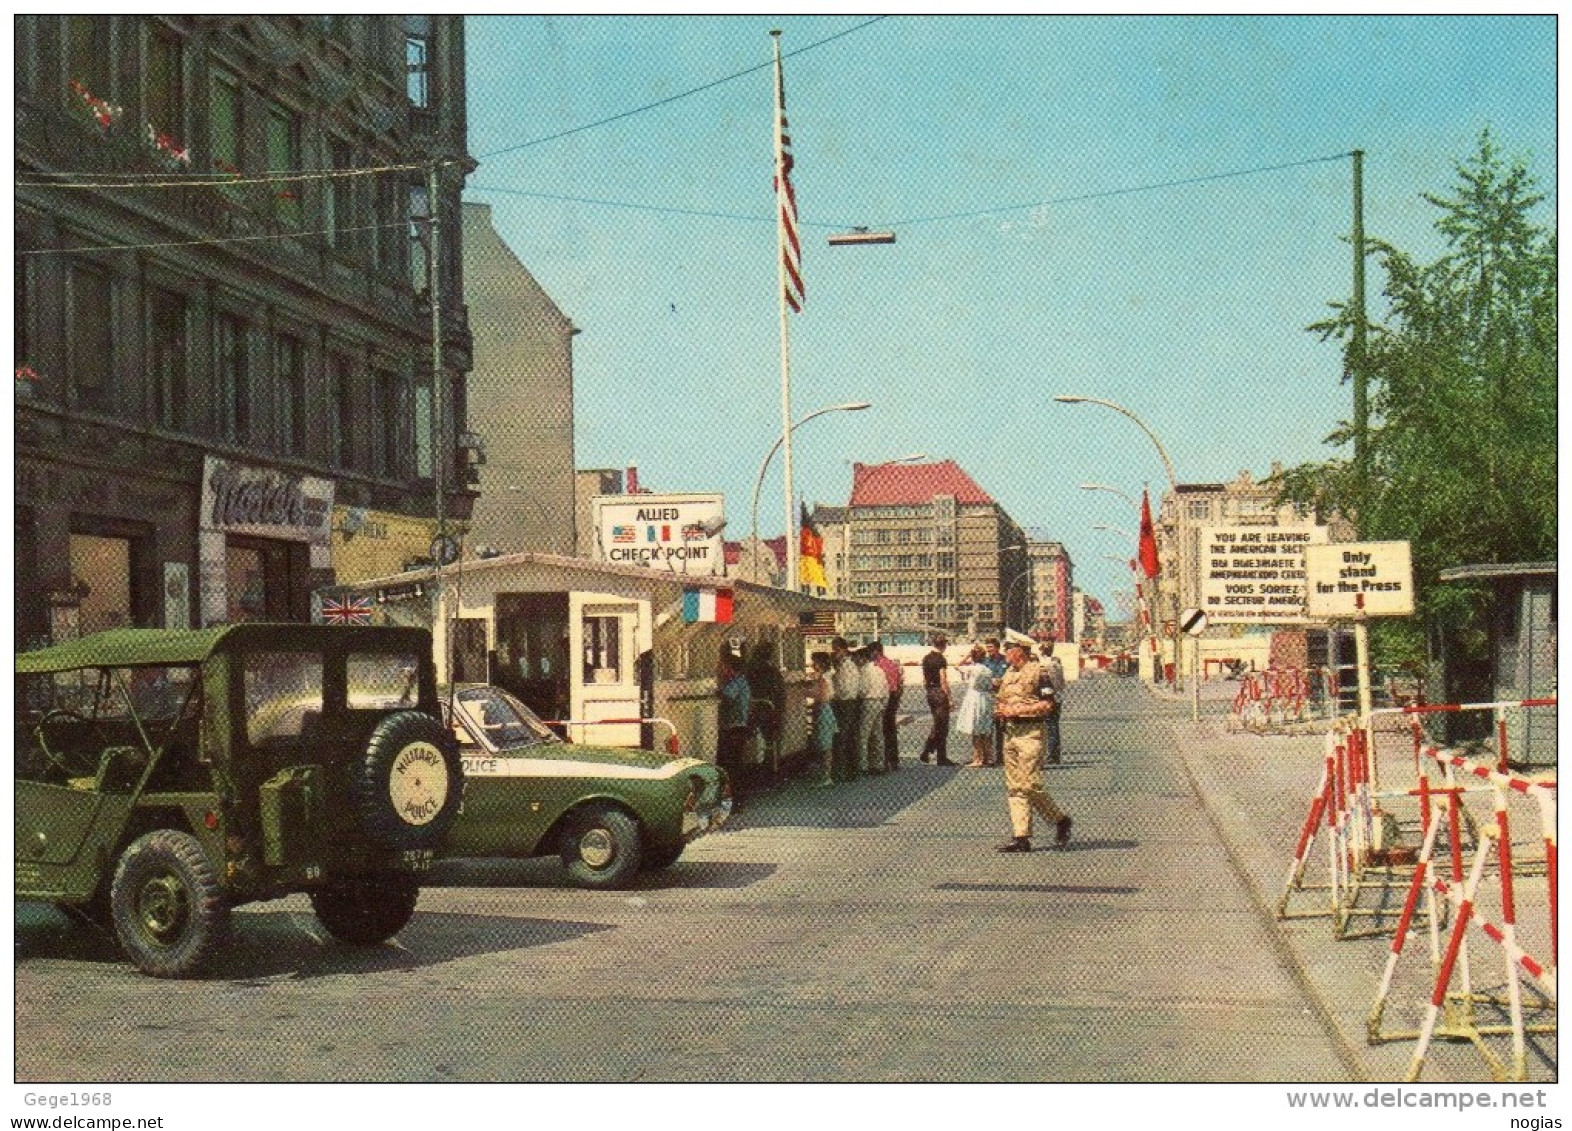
(823, 715)
(975, 718)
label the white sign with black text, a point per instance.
(680, 533)
(1255, 574)
(1353, 579)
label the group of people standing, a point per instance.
(855, 697)
(1011, 702)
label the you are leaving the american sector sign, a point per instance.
(1255, 574)
(1353, 579)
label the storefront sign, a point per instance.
(1255, 574)
(1354, 579)
(679, 533)
(242, 499)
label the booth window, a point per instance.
(603, 650)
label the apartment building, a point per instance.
(933, 550)
(226, 394)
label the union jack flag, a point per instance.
(694, 532)
(351, 610)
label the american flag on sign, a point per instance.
(623, 534)
(351, 610)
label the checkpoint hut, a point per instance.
(582, 642)
(1523, 651)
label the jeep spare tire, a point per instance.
(406, 787)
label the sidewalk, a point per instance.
(1256, 790)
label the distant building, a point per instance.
(520, 400)
(1051, 585)
(932, 548)
(586, 485)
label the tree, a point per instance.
(1462, 380)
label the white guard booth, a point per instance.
(595, 647)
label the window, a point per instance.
(1200, 509)
(165, 86)
(419, 237)
(387, 434)
(417, 60)
(234, 380)
(338, 200)
(224, 133)
(88, 54)
(603, 650)
(289, 374)
(166, 331)
(376, 681)
(283, 157)
(283, 694)
(392, 239)
(423, 431)
(90, 321)
(946, 562)
(341, 410)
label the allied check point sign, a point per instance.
(1347, 580)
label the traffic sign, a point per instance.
(1192, 622)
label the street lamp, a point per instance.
(853, 406)
(1112, 491)
(1179, 555)
(1168, 465)
(1115, 530)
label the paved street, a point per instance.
(865, 932)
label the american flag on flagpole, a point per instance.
(786, 199)
(351, 610)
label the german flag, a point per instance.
(810, 567)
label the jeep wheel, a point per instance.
(366, 910)
(166, 904)
(655, 861)
(600, 847)
(406, 786)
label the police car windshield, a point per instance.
(498, 720)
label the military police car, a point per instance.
(605, 811)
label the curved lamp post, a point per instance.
(851, 406)
(1168, 464)
(1179, 563)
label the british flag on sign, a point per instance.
(351, 610)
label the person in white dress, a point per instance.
(975, 717)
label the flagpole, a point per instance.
(781, 188)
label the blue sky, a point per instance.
(1187, 304)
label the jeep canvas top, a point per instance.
(165, 776)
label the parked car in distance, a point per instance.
(606, 811)
(165, 776)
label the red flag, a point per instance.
(786, 199)
(1148, 549)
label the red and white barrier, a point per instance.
(1450, 1012)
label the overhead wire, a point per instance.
(676, 97)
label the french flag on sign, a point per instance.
(705, 605)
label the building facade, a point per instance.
(1052, 585)
(224, 352)
(520, 399)
(931, 548)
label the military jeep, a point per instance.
(164, 777)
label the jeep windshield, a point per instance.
(498, 721)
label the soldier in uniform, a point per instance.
(1019, 707)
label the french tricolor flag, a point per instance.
(706, 605)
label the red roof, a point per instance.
(898, 484)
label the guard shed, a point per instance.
(1523, 652)
(595, 647)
